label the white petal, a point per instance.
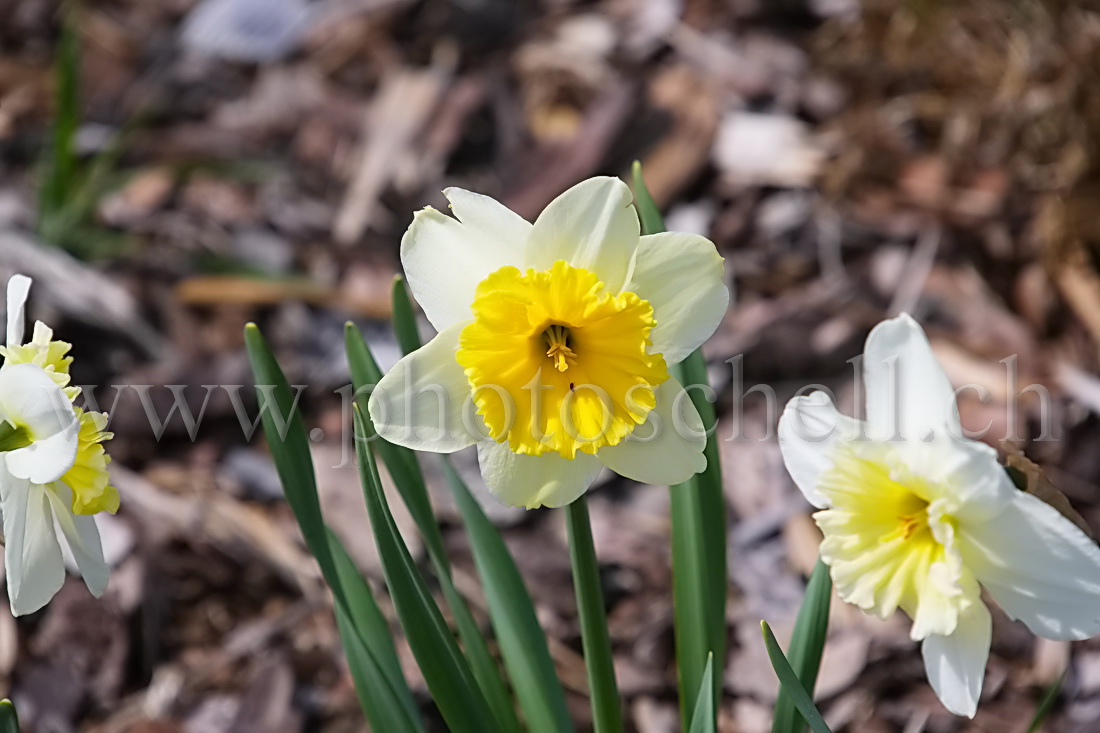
(489, 217)
(534, 481)
(809, 431)
(419, 404)
(44, 460)
(955, 664)
(681, 276)
(667, 448)
(1039, 566)
(965, 473)
(82, 536)
(28, 397)
(19, 287)
(593, 225)
(445, 258)
(32, 556)
(908, 393)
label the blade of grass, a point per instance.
(703, 720)
(806, 647)
(69, 191)
(9, 720)
(522, 640)
(446, 671)
(1046, 705)
(790, 684)
(698, 512)
(60, 164)
(405, 471)
(604, 693)
(63, 160)
(374, 661)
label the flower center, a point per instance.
(558, 364)
(557, 339)
(887, 545)
(908, 526)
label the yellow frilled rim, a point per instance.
(889, 544)
(556, 363)
(88, 478)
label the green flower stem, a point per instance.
(606, 706)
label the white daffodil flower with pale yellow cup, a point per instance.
(917, 517)
(53, 468)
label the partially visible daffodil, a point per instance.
(558, 335)
(916, 517)
(55, 473)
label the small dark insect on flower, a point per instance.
(570, 386)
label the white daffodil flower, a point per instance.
(917, 517)
(55, 476)
(558, 335)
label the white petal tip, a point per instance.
(19, 287)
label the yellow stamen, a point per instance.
(557, 338)
(907, 527)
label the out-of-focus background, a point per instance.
(171, 169)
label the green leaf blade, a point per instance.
(9, 719)
(521, 637)
(382, 705)
(698, 514)
(400, 462)
(789, 681)
(372, 630)
(704, 718)
(286, 437)
(806, 647)
(372, 659)
(650, 214)
(445, 669)
(690, 594)
(405, 471)
(404, 318)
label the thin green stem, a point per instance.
(606, 706)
